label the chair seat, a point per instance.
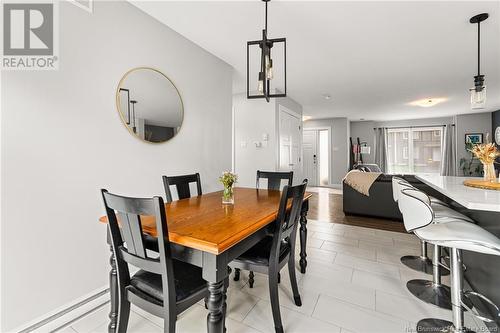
(445, 214)
(188, 281)
(260, 252)
(461, 235)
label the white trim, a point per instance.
(278, 147)
(68, 313)
(330, 156)
(233, 140)
(89, 8)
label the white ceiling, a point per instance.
(372, 57)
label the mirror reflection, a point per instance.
(150, 105)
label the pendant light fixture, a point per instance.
(133, 102)
(478, 92)
(266, 64)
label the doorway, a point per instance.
(290, 135)
(316, 152)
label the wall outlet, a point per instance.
(243, 144)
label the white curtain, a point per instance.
(448, 152)
(381, 148)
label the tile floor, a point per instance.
(354, 283)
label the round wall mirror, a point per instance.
(149, 105)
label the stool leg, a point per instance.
(457, 326)
(456, 290)
(432, 292)
(419, 263)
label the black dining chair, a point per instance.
(182, 185)
(163, 286)
(275, 251)
(274, 179)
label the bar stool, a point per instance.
(457, 235)
(433, 291)
(422, 263)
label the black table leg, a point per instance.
(113, 291)
(216, 303)
(303, 236)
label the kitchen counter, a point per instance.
(468, 197)
(483, 206)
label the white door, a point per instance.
(310, 146)
(290, 136)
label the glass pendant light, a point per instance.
(260, 87)
(478, 92)
(269, 68)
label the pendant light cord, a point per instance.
(479, 48)
(266, 20)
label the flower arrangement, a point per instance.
(228, 179)
(486, 153)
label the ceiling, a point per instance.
(371, 57)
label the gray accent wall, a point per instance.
(464, 123)
(470, 123)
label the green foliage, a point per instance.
(228, 179)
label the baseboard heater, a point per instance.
(69, 314)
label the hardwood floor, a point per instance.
(327, 206)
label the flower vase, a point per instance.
(489, 172)
(228, 196)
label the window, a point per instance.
(414, 150)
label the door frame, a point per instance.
(278, 122)
(329, 130)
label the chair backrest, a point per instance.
(416, 209)
(182, 185)
(127, 239)
(395, 187)
(287, 219)
(274, 179)
(365, 167)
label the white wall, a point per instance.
(339, 146)
(62, 140)
(252, 119)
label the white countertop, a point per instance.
(469, 197)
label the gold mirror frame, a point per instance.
(117, 97)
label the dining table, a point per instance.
(209, 234)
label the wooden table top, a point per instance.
(205, 224)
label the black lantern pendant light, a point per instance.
(478, 92)
(266, 69)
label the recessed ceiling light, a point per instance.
(306, 118)
(327, 96)
(428, 102)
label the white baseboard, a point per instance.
(68, 313)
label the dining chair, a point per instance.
(274, 178)
(275, 251)
(181, 184)
(163, 286)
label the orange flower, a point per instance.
(485, 152)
